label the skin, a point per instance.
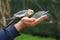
(25, 21)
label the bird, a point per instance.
(39, 14)
(22, 13)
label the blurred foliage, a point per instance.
(50, 27)
(30, 37)
(4, 11)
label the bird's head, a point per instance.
(30, 11)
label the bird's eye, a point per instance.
(30, 12)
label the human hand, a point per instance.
(25, 21)
(32, 21)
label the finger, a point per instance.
(26, 19)
(39, 20)
(29, 21)
(33, 19)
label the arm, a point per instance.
(29, 22)
(11, 32)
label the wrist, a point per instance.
(19, 26)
